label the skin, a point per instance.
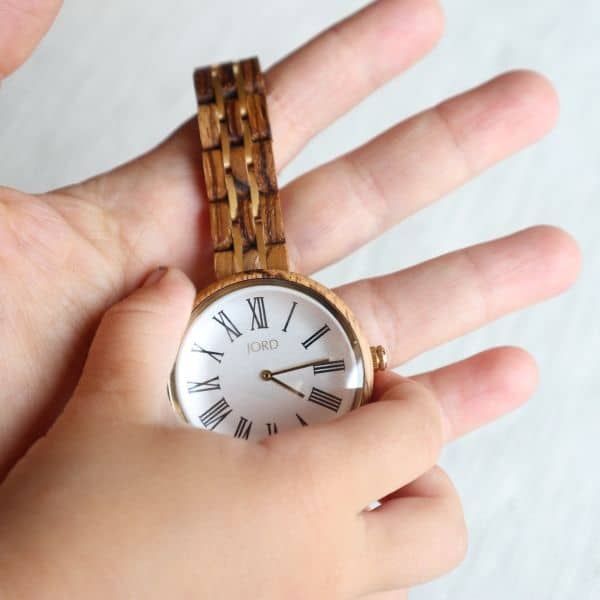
(118, 469)
(85, 247)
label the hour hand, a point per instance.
(268, 376)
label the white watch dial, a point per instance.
(265, 358)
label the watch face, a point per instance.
(266, 355)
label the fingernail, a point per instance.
(155, 276)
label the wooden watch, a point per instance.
(266, 349)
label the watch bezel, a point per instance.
(309, 286)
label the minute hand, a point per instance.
(286, 386)
(303, 366)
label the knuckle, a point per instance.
(443, 484)
(131, 310)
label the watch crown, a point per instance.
(380, 358)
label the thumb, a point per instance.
(136, 343)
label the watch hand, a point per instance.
(268, 376)
(303, 366)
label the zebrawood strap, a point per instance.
(239, 170)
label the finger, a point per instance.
(370, 452)
(477, 390)
(356, 56)
(163, 189)
(23, 23)
(325, 78)
(413, 538)
(134, 349)
(416, 309)
(471, 393)
(435, 483)
(412, 165)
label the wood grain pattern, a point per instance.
(209, 126)
(257, 117)
(220, 225)
(205, 91)
(214, 175)
(239, 168)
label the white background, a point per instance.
(113, 78)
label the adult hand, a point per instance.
(69, 254)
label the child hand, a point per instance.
(120, 500)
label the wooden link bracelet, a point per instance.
(239, 170)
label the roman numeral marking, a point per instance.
(272, 428)
(232, 331)
(217, 413)
(214, 355)
(243, 428)
(289, 317)
(325, 399)
(259, 314)
(329, 367)
(317, 335)
(302, 421)
(204, 386)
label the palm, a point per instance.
(70, 254)
(57, 281)
(67, 256)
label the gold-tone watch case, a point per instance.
(310, 287)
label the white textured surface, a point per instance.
(113, 78)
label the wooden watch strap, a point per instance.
(239, 170)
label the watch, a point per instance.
(266, 349)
